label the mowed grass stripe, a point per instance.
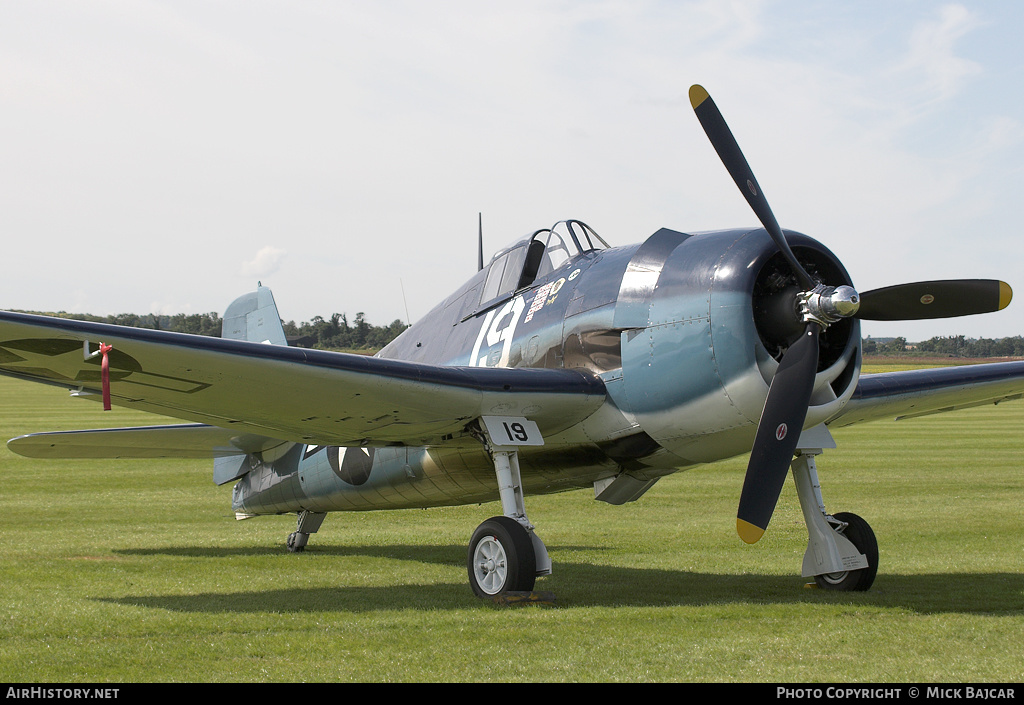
(129, 571)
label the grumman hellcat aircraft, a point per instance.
(564, 363)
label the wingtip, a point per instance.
(697, 95)
(748, 532)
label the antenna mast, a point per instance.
(480, 242)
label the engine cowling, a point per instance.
(720, 312)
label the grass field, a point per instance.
(130, 571)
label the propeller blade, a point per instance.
(937, 299)
(789, 396)
(729, 152)
(778, 431)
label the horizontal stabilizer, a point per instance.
(173, 441)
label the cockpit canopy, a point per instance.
(540, 253)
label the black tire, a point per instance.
(501, 558)
(862, 537)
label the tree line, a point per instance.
(948, 346)
(334, 333)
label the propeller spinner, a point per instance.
(819, 305)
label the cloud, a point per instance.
(266, 262)
(931, 54)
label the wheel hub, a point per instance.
(490, 565)
(834, 578)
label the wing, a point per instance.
(930, 391)
(291, 394)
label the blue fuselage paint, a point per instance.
(667, 327)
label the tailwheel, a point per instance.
(297, 542)
(501, 558)
(862, 537)
(308, 523)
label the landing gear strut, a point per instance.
(842, 553)
(505, 554)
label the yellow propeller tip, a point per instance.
(748, 532)
(697, 95)
(1005, 294)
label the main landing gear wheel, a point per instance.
(862, 537)
(501, 558)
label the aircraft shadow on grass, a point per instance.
(582, 585)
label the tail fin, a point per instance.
(251, 317)
(254, 317)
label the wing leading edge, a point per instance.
(930, 391)
(291, 394)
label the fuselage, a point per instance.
(674, 327)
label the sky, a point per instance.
(166, 156)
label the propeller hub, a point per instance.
(827, 304)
